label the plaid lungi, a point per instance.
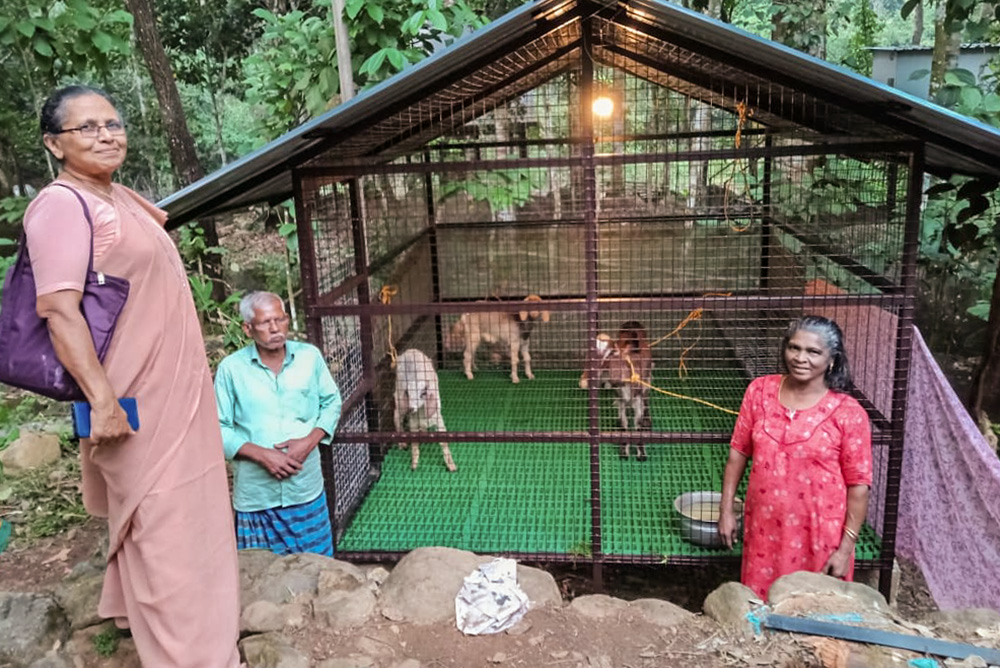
(301, 528)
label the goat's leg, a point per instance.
(622, 403)
(414, 455)
(638, 414)
(526, 356)
(449, 463)
(468, 356)
(514, 345)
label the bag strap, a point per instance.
(86, 214)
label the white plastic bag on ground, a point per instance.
(490, 601)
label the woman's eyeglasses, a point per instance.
(93, 130)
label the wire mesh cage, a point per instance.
(473, 260)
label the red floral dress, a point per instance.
(803, 463)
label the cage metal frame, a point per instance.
(380, 159)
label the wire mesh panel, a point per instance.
(484, 255)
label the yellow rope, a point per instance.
(385, 296)
(743, 112)
(636, 379)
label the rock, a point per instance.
(599, 661)
(31, 451)
(598, 606)
(350, 661)
(262, 617)
(376, 575)
(969, 618)
(271, 650)
(407, 663)
(539, 585)
(421, 589)
(660, 613)
(729, 604)
(79, 594)
(30, 624)
(52, 660)
(344, 609)
(520, 628)
(339, 576)
(805, 582)
(253, 563)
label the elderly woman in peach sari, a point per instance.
(172, 576)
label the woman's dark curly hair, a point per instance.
(838, 375)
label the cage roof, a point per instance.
(689, 52)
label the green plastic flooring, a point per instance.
(534, 497)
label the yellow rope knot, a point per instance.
(385, 296)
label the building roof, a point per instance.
(707, 55)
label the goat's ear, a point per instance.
(522, 315)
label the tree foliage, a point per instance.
(293, 74)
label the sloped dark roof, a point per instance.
(687, 51)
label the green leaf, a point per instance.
(991, 103)
(26, 28)
(971, 97)
(396, 58)
(262, 13)
(960, 77)
(103, 41)
(919, 74)
(374, 63)
(981, 310)
(977, 205)
(437, 19)
(286, 229)
(42, 46)
(376, 13)
(353, 8)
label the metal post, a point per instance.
(904, 341)
(314, 326)
(590, 259)
(432, 238)
(765, 222)
(358, 228)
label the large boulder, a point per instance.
(598, 606)
(862, 597)
(280, 580)
(31, 451)
(79, 594)
(659, 612)
(421, 589)
(272, 650)
(30, 625)
(344, 609)
(731, 605)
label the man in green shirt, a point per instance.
(277, 402)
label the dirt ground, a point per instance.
(555, 638)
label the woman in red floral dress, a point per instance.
(812, 463)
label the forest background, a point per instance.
(203, 82)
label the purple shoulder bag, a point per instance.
(27, 358)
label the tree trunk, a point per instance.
(986, 384)
(342, 40)
(183, 157)
(806, 32)
(947, 41)
(918, 24)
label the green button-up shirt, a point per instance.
(261, 407)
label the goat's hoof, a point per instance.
(515, 380)
(530, 376)
(469, 376)
(583, 385)
(451, 467)
(641, 457)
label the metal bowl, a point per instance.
(699, 513)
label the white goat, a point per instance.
(418, 402)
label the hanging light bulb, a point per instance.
(603, 106)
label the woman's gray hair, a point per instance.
(254, 300)
(838, 375)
